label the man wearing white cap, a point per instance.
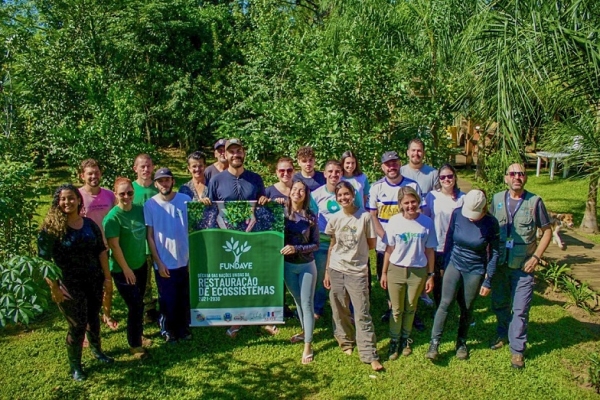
(519, 213)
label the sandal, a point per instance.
(272, 329)
(111, 323)
(307, 359)
(297, 338)
(232, 332)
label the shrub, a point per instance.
(580, 294)
(18, 203)
(555, 274)
(22, 292)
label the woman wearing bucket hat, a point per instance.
(471, 254)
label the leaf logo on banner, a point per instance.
(233, 246)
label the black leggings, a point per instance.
(81, 308)
(133, 296)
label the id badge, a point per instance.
(510, 242)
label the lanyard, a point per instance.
(511, 215)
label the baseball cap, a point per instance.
(474, 204)
(219, 143)
(163, 173)
(232, 142)
(389, 156)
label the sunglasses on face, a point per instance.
(520, 174)
(123, 194)
(446, 177)
(283, 171)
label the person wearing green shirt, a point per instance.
(144, 189)
(125, 232)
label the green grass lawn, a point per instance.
(258, 366)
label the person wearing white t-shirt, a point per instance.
(439, 204)
(324, 205)
(166, 220)
(407, 267)
(352, 236)
(382, 203)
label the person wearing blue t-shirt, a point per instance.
(471, 254)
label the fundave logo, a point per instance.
(234, 246)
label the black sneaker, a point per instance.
(462, 352)
(385, 317)
(433, 352)
(393, 351)
(418, 324)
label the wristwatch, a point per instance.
(431, 274)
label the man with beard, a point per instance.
(221, 164)
(425, 175)
(97, 202)
(324, 205)
(165, 215)
(238, 184)
(519, 213)
(383, 204)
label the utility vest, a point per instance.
(523, 230)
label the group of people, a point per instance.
(428, 236)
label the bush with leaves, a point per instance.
(580, 294)
(17, 208)
(23, 292)
(555, 274)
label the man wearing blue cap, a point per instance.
(167, 233)
(221, 164)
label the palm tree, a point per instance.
(534, 61)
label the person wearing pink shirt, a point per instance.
(97, 202)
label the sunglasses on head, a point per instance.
(128, 193)
(520, 174)
(288, 170)
(448, 177)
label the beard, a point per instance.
(166, 191)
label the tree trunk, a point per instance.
(589, 223)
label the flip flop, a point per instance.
(297, 338)
(111, 323)
(307, 359)
(272, 329)
(232, 332)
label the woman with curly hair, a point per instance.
(76, 245)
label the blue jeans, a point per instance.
(300, 280)
(512, 292)
(321, 263)
(464, 286)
